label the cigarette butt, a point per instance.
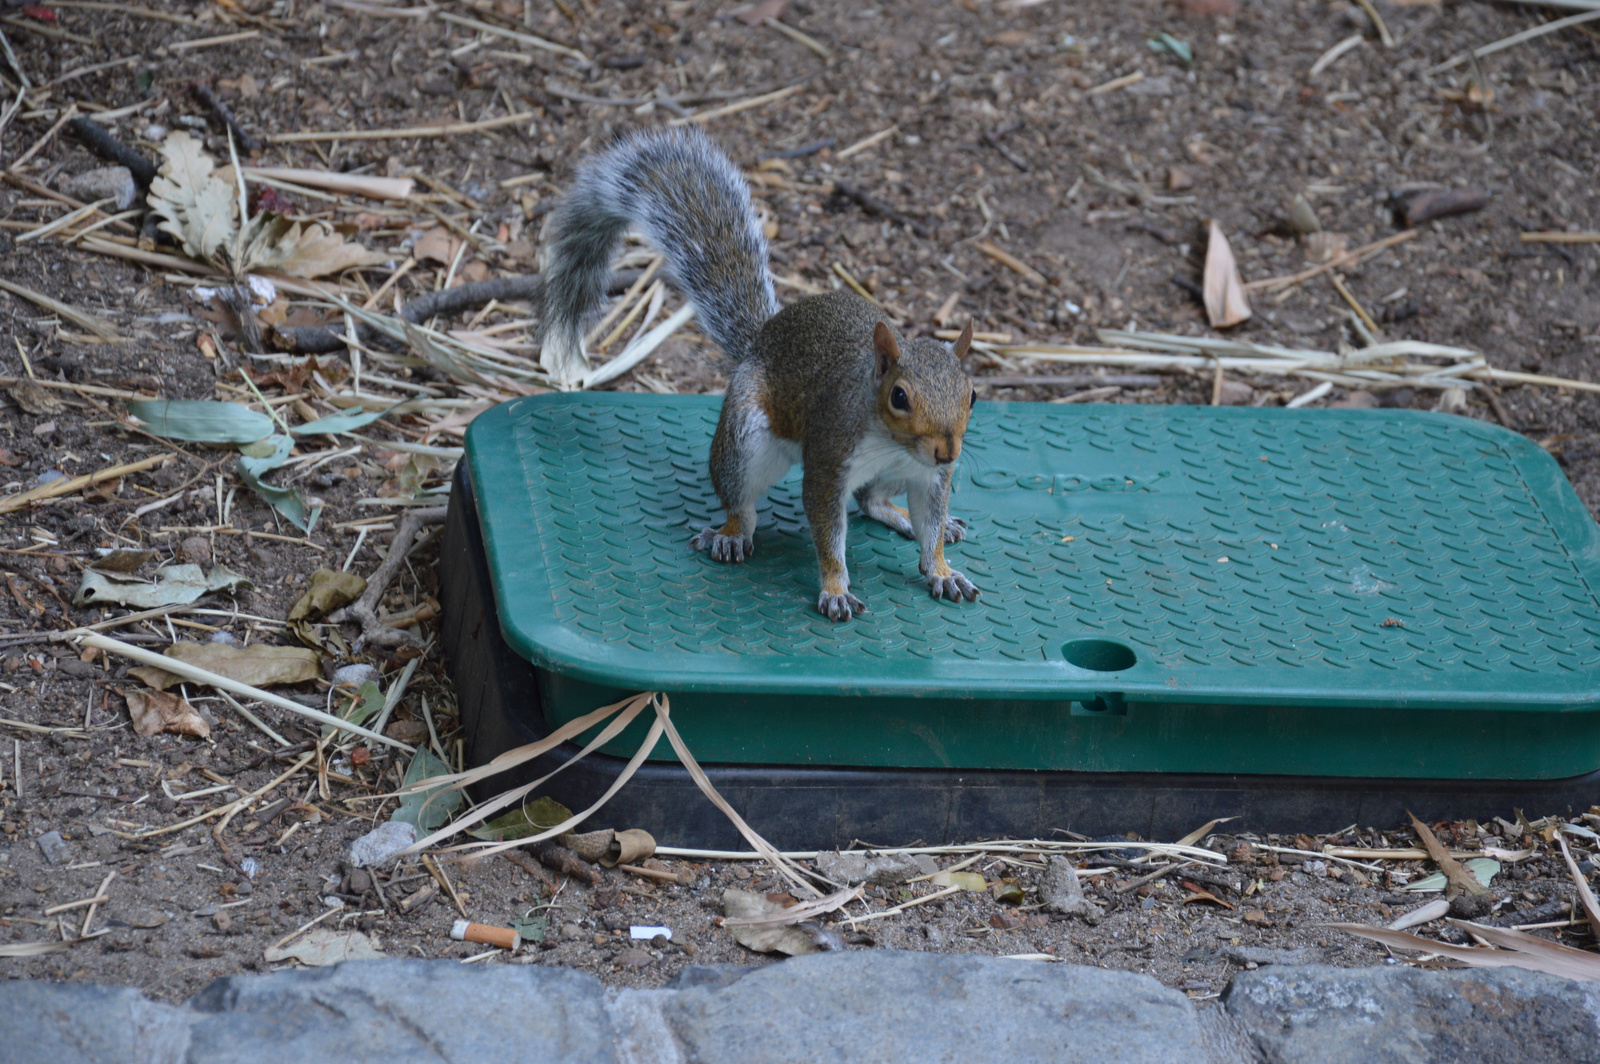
(467, 931)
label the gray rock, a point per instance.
(880, 870)
(113, 182)
(882, 1005)
(1062, 893)
(44, 1023)
(56, 849)
(381, 844)
(397, 1012)
(1403, 1015)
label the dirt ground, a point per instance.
(1000, 132)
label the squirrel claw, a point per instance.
(955, 529)
(724, 548)
(953, 586)
(839, 607)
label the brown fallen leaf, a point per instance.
(329, 590)
(1200, 894)
(123, 560)
(629, 847)
(324, 946)
(258, 666)
(437, 245)
(157, 711)
(33, 398)
(1519, 949)
(764, 938)
(1223, 288)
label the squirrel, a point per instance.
(824, 381)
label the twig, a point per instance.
(872, 205)
(1377, 23)
(110, 148)
(867, 142)
(800, 38)
(1547, 237)
(1005, 258)
(735, 108)
(407, 133)
(1514, 39)
(992, 138)
(1349, 258)
(73, 484)
(521, 38)
(202, 93)
(365, 608)
(804, 149)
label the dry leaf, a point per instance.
(1591, 907)
(196, 205)
(764, 938)
(157, 711)
(629, 847)
(1226, 304)
(301, 249)
(965, 880)
(33, 398)
(437, 245)
(258, 666)
(757, 13)
(323, 946)
(1520, 950)
(328, 591)
(124, 560)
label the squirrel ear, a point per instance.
(884, 343)
(963, 342)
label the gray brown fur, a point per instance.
(824, 382)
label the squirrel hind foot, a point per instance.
(952, 586)
(839, 607)
(723, 548)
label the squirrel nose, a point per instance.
(946, 451)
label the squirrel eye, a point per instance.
(974, 400)
(899, 399)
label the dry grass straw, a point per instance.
(405, 133)
(735, 108)
(1396, 364)
(617, 717)
(93, 325)
(196, 674)
(1518, 949)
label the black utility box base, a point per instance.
(799, 808)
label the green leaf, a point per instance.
(533, 930)
(1484, 868)
(416, 808)
(338, 423)
(362, 709)
(286, 501)
(1166, 42)
(201, 420)
(541, 814)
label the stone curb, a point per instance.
(856, 1006)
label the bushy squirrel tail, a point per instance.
(692, 204)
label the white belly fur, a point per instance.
(880, 457)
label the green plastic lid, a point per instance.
(1127, 556)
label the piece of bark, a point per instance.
(1424, 205)
(528, 865)
(560, 859)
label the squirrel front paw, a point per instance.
(955, 529)
(724, 548)
(840, 607)
(952, 586)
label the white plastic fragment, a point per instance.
(645, 933)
